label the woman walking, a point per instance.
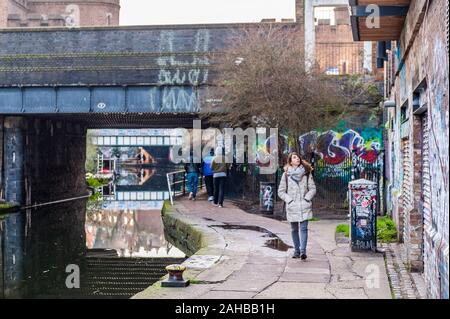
(297, 189)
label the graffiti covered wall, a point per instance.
(418, 138)
(343, 154)
(335, 146)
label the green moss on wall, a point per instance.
(180, 234)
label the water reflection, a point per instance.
(131, 232)
(132, 175)
(128, 220)
(37, 245)
(101, 237)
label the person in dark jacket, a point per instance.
(192, 170)
(220, 169)
(208, 175)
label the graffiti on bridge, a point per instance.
(185, 70)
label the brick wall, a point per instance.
(335, 48)
(13, 166)
(55, 153)
(423, 48)
(44, 160)
(3, 13)
(334, 33)
(300, 11)
(44, 13)
(88, 13)
(17, 10)
(12, 231)
(114, 56)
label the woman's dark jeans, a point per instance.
(219, 190)
(300, 240)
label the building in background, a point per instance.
(335, 51)
(45, 13)
(328, 39)
(413, 37)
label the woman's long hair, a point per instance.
(308, 167)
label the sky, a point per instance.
(144, 12)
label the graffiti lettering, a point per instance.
(176, 71)
(179, 100)
(334, 147)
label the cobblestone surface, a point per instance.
(404, 284)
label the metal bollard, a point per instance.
(175, 277)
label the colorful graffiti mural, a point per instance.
(334, 147)
(267, 151)
(342, 155)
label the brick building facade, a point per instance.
(43, 13)
(417, 134)
(336, 53)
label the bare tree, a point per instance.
(262, 80)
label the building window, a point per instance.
(332, 71)
(404, 123)
(419, 103)
(108, 18)
(404, 113)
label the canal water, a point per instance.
(113, 248)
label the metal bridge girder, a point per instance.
(99, 99)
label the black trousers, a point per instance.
(219, 190)
(209, 182)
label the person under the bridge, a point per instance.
(208, 174)
(220, 169)
(193, 169)
(297, 189)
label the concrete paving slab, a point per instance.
(293, 290)
(305, 278)
(218, 294)
(246, 268)
(249, 285)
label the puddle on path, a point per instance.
(273, 241)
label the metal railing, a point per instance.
(177, 183)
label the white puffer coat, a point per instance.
(298, 197)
